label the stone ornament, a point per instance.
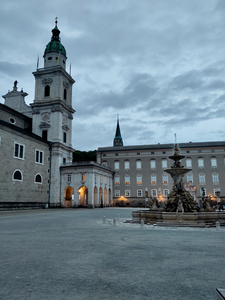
(47, 81)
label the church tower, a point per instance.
(52, 109)
(118, 141)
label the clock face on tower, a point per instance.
(45, 117)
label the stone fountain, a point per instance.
(180, 209)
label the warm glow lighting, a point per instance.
(79, 191)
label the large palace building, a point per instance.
(139, 170)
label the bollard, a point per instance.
(103, 220)
(217, 225)
(142, 223)
(118, 218)
(114, 222)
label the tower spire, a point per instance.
(118, 141)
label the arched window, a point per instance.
(17, 175)
(47, 91)
(65, 94)
(38, 178)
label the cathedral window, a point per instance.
(45, 134)
(17, 176)
(39, 157)
(117, 179)
(215, 178)
(47, 91)
(116, 165)
(139, 179)
(19, 151)
(152, 163)
(164, 163)
(65, 94)
(188, 163)
(38, 178)
(200, 162)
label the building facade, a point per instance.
(140, 170)
(36, 144)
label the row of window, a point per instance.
(164, 152)
(19, 152)
(154, 193)
(18, 176)
(215, 179)
(164, 163)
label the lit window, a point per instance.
(213, 162)
(215, 178)
(117, 193)
(127, 165)
(127, 193)
(105, 180)
(38, 178)
(164, 163)
(116, 165)
(139, 193)
(152, 164)
(17, 176)
(165, 193)
(117, 180)
(154, 193)
(39, 157)
(202, 178)
(69, 178)
(188, 163)
(82, 177)
(127, 179)
(139, 179)
(200, 162)
(189, 178)
(165, 178)
(138, 164)
(19, 151)
(153, 179)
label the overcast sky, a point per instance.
(160, 65)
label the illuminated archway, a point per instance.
(68, 196)
(83, 196)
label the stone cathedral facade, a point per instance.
(35, 140)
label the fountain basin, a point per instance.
(192, 219)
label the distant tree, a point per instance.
(84, 155)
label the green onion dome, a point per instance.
(55, 44)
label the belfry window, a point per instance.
(65, 94)
(47, 91)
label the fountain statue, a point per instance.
(177, 171)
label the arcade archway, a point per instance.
(83, 196)
(68, 196)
